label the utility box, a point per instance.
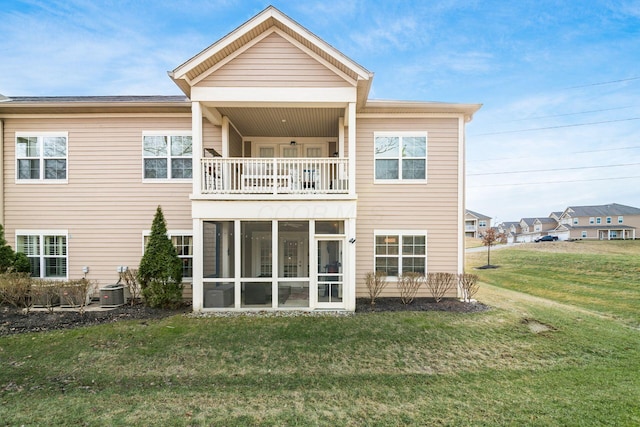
(112, 295)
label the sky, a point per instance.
(559, 80)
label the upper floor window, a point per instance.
(167, 156)
(620, 219)
(400, 156)
(591, 220)
(598, 220)
(482, 223)
(608, 220)
(575, 221)
(47, 252)
(41, 157)
(400, 252)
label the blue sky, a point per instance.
(559, 80)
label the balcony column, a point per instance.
(351, 123)
(196, 140)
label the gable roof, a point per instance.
(476, 214)
(612, 209)
(266, 22)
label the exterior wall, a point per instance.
(105, 206)
(431, 206)
(273, 62)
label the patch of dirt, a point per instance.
(420, 304)
(538, 327)
(15, 321)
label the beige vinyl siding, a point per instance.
(105, 206)
(235, 143)
(273, 62)
(432, 206)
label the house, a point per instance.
(475, 224)
(281, 182)
(602, 222)
(534, 228)
(510, 229)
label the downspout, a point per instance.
(2, 172)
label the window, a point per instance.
(482, 223)
(400, 157)
(41, 157)
(575, 221)
(608, 220)
(183, 242)
(584, 234)
(591, 220)
(47, 252)
(598, 220)
(400, 252)
(167, 156)
(620, 219)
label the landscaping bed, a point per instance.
(15, 321)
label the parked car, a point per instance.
(546, 239)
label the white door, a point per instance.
(330, 273)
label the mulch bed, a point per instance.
(15, 321)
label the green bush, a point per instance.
(9, 259)
(160, 271)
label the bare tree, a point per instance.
(376, 282)
(469, 285)
(490, 237)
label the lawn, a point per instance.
(600, 276)
(525, 362)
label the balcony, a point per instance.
(274, 176)
(468, 227)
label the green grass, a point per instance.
(525, 362)
(603, 277)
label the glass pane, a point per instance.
(257, 256)
(218, 295)
(181, 168)
(329, 227)
(387, 169)
(293, 249)
(28, 169)
(155, 146)
(155, 168)
(55, 245)
(55, 146)
(387, 146)
(256, 294)
(293, 294)
(55, 267)
(266, 152)
(387, 245)
(413, 245)
(29, 245)
(184, 247)
(181, 146)
(414, 169)
(55, 169)
(388, 265)
(218, 249)
(34, 263)
(27, 147)
(414, 146)
(330, 272)
(411, 264)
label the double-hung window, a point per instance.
(47, 252)
(183, 242)
(398, 252)
(167, 155)
(400, 156)
(41, 157)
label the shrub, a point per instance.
(75, 293)
(408, 285)
(160, 271)
(439, 284)
(468, 285)
(130, 280)
(10, 260)
(45, 293)
(376, 282)
(15, 288)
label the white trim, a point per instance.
(169, 157)
(239, 96)
(41, 233)
(402, 233)
(93, 116)
(171, 233)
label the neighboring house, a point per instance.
(255, 170)
(602, 222)
(475, 224)
(534, 228)
(510, 229)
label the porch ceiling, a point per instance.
(284, 122)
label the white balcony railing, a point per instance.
(469, 228)
(275, 176)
